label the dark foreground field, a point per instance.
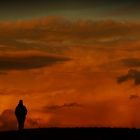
(72, 134)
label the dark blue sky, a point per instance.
(75, 9)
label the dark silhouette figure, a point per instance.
(21, 113)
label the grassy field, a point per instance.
(72, 134)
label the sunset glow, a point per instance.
(71, 70)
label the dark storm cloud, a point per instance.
(49, 2)
(127, 10)
(28, 62)
(26, 9)
(132, 75)
(67, 105)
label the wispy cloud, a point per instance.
(62, 33)
(134, 97)
(131, 62)
(67, 105)
(132, 75)
(26, 61)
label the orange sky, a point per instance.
(70, 73)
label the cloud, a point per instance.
(132, 75)
(131, 62)
(134, 97)
(7, 120)
(123, 78)
(62, 33)
(121, 62)
(67, 105)
(126, 9)
(32, 123)
(100, 113)
(27, 61)
(70, 88)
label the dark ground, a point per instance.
(72, 134)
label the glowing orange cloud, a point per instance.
(71, 74)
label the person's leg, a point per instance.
(20, 125)
(18, 120)
(21, 121)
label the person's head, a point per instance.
(20, 102)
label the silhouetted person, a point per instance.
(20, 113)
